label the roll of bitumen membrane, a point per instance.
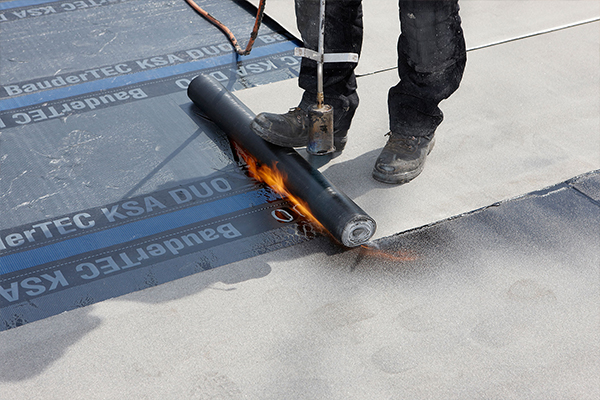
(342, 218)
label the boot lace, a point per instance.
(410, 143)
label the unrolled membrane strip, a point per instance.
(338, 214)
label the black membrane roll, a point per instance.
(342, 218)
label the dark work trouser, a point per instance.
(431, 60)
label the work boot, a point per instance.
(402, 159)
(291, 129)
(287, 130)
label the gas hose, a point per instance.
(227, 31)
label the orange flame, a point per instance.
(276, 179)
(396, 256)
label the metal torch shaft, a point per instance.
(321, 51)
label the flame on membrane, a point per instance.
(275, 179)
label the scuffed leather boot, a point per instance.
(291, 129)
(286, 130)
(402, 159)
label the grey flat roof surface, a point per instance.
(483, 280)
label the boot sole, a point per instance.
(397, 179)
(281, 141)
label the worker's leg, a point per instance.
(343, 34)
(431, 61)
